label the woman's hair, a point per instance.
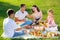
(36, 8)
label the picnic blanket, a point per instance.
(27, 36)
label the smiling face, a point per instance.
(34, 9)
(49, 13)
(23, 8)
(12, 15)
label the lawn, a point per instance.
(43, 5)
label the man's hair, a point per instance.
(10, 11)
(22, 5)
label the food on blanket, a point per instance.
(56, 34)
(35, 33)
(50, 34)
(42, 23)
(37, 28)
(38, 33)
(42, 28)
(43, 36)
(32, 32)
(45, 24)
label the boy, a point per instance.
(10, 27)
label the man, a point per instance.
(21, 14)
(9, 26)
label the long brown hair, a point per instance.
(36, 8)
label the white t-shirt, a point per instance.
(9, 27)
(21, 15)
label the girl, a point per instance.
(50, 21)
(37, 14)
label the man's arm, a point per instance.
(17, 29)
(16, 19)
(40, 15)
(29, 16)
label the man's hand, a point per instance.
(18, 29)
(29, 16)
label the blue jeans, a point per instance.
(18, 33)
(28, 22)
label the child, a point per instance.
(50, 21)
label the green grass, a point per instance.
(43, 5)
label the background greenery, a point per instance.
(43, 5)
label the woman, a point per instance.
(37, 14)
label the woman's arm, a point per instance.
(40, 15)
